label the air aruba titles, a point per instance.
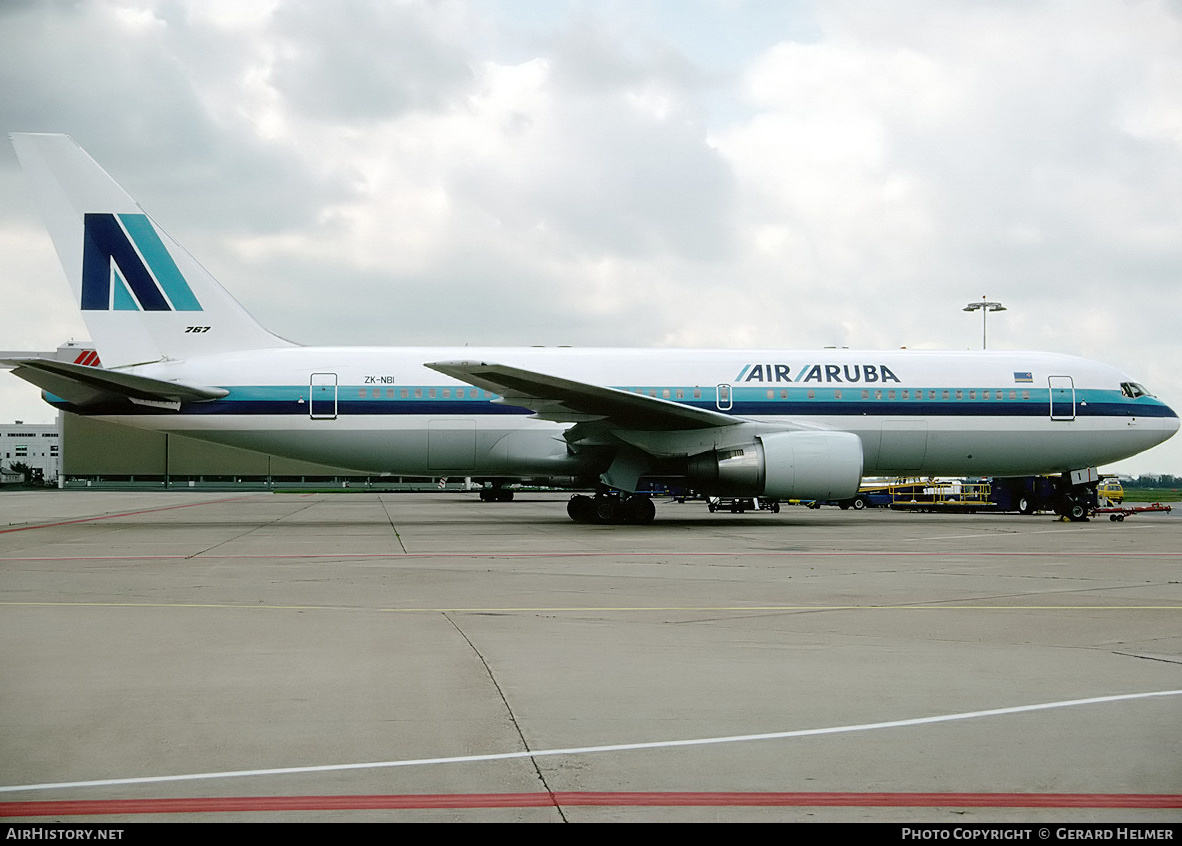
(817, 373)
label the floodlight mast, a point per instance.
(985, 306)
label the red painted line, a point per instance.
(591, 799)
(123, 514)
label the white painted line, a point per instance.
(585, 750)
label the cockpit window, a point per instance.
(1132, 390)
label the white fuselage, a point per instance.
(916, 412)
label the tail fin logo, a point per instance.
(126, 267)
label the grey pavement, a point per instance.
(155, 635)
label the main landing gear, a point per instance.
(497, 493)
(611, 507)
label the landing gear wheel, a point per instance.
(581, 509)
(607, 509)
(639, 509)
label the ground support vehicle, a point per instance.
(1073, 495)
(1117, 514)
(935, 497)
(739, 504)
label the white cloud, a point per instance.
(726, 174)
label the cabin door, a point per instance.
(1062, 397)
(322, 396)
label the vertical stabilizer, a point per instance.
(143, 297)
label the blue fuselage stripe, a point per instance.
(293, 400)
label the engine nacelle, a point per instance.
(783, 465)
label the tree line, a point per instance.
(1164, 480)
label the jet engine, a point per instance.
(782, 465)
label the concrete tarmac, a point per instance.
(411, 657)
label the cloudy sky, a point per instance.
(730, 173)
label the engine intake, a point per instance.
(783, 465)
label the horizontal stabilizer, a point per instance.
(565, 400)
(83, 385)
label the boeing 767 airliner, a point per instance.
(178, 354)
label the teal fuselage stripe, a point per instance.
(359, 400)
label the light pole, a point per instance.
(984, 307)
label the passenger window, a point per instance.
(697, 393)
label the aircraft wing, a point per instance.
(568, 401)
(87, 385)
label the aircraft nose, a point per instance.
(1169, 424)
